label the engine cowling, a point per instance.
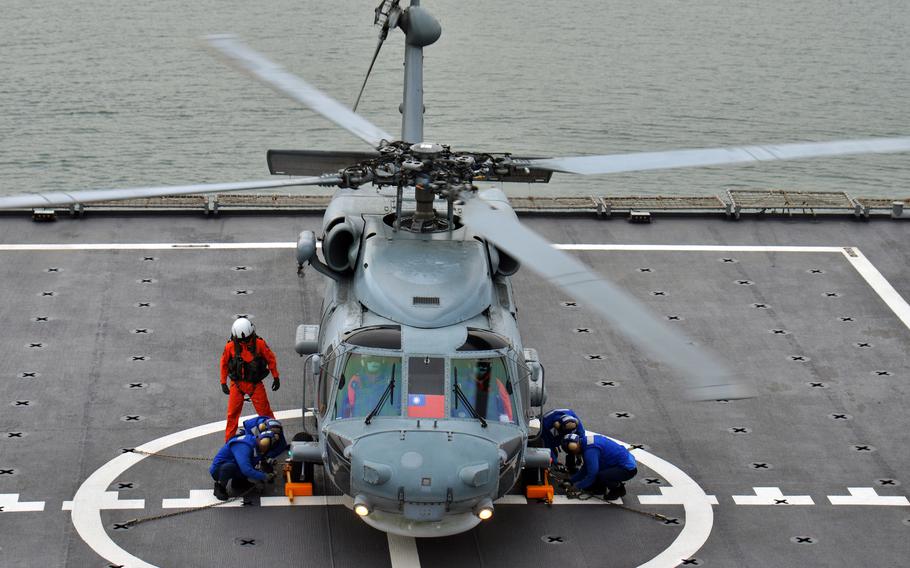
(501, 263)
(341, 245)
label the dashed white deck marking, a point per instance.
(111, 500)
(511, 500)
(10, 503)
(403, 551)
(670, 496)
(772, 496)
(868, 496)
(198, 498)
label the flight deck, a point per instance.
(115, 324)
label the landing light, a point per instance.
(484, 509)
(362, 506)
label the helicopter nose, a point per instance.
(424, 475)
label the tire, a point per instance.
(530, 476)
(302, 471)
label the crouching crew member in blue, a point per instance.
(236, 463)
(606, 464)
(555, 426)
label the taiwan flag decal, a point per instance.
(426, 405)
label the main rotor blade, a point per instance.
(644, 161)
(707, 378)
(272, 74)
(52, 198)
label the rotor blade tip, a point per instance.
(730, 391)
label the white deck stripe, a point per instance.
(772, 496)
(312, 501)
(695, 248)
(145, 246)
(10, 503)
(197, 498)
(291, 245)
(868, 496)
(878, 283)
(403, 551)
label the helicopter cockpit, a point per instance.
(373, 379)
(480, 388)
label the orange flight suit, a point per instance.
(255, 390)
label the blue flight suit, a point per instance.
(606, 464)
(236, 461)
(552, 438)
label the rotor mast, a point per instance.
(420, 29)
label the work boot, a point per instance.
(220, 491)
(615, 493)
(241, 485)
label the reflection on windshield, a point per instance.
(483, 382)
(364, 380)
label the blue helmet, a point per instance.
(265, 441)
(572, 444)
(567, 423)
(274, 425)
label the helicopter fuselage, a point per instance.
(420, 401)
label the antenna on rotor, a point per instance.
(387, 14)
(421, 29)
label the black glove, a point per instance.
(225, 389)
(276, 384)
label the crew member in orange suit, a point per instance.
(247, 371)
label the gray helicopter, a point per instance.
(422, 404)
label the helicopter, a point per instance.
(420, 397)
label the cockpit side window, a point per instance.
(364, 380)
(484, 382)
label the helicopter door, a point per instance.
(426, 387)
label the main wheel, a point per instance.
(302, 471)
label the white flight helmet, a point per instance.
(242, 328)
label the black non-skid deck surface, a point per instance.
(105, 350)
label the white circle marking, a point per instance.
(86, 511)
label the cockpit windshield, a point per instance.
(366, 377)
(484, 382)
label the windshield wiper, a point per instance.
(389, 390)
(461, 396)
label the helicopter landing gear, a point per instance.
(302, 472)
(299, 475)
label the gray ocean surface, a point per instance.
(109, 93)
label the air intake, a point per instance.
(428, 301)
